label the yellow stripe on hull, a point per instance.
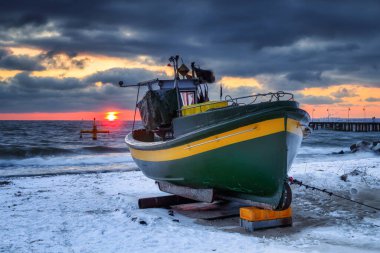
(237, 135)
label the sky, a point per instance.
(63, 59)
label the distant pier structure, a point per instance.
(347, 125)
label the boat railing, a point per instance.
(271, 97)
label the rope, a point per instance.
(300, 183)
(134, 115)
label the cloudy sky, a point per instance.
(63, 59)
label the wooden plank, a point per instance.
(209, 211)
(163, 201)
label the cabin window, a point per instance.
(188, 97)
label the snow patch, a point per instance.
(99, 213)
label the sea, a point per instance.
(30, 148)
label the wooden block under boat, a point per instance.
(253, 218)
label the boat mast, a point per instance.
(134, 115)
(174, 60)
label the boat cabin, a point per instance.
(174, 101)
(187, 89)
(169, 99)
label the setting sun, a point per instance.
(111, 116)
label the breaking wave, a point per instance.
(9, 152)
(80, 160)
(105, 149)
(18, 152)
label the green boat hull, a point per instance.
(247, 157)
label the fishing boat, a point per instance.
(229, 149)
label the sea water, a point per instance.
(55, 147)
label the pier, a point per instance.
(347, 125)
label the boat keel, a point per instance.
(203, 195)
(210, 195)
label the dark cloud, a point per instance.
(80, 64)
(24, 82)
(43, 61)
(222, 32)
(372, 99)
(20, 19)
(344, 93)
(129, 76)
(228, 92)
(26, 93)
(317, 100)
(349, 47)
(18, 62)
(62, 60)
(304, 76)
(3, 52)
(34, 19)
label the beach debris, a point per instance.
(344, 177)
(4, 183)
(362, 146)
(339, 153)
(38, 240)
(365, 146)
(142, 222)
(355, 172)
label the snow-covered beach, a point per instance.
(97, 212)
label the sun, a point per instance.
(111, 116)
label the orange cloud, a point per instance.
(93, 63)
(122, 115)
(235, 82)
(5, 74)
(353, 96)
(25, 51)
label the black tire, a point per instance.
(286, 198)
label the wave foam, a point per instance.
(69, 160)
(15, 151)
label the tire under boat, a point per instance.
(240, 152)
